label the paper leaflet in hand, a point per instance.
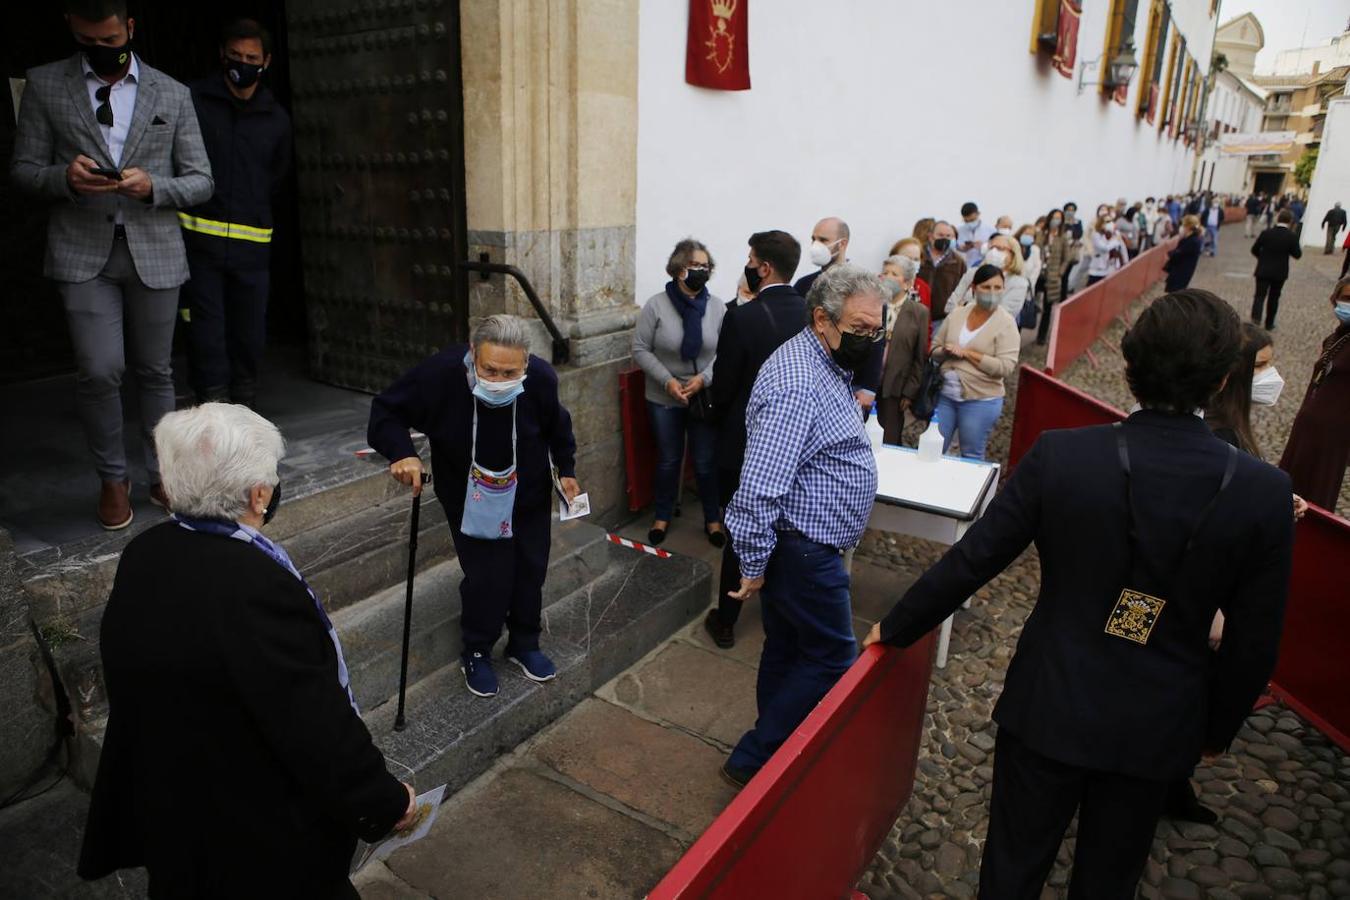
(580, 506)
(428, 809)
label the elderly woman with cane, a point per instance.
(497, 428)
(232, 734)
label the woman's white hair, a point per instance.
(909, 268)
(211, 456)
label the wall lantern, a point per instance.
(1117, 73)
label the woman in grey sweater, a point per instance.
(675, 342)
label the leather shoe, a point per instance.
(737, 778)
(159, 498)
(723, 635)
(114, 505)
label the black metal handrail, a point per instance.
(486, 267)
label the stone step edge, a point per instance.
(479, 740)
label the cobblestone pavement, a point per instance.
(1282, 793)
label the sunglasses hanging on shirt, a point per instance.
(104, 112)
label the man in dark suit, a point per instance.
(1333, 222)
(1272, 250)
(750, 334)
(1144, 530)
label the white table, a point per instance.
(937, 501)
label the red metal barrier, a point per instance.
(1313, 672)
(809, 824)
(639, 449)
(1043, 403)
(1233, 214)
(1077, 323)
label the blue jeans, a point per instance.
(1212, 239)
(971, 419)
(808, 642)
(669, 426)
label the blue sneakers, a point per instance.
(535, 665)
(478, 674)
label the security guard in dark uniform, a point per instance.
(229, 237)
(1143, 529)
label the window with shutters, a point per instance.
(1150, 71)
(1169, 97)
(1054, 31)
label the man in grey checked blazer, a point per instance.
(114, 245)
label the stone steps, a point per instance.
(592, 633)
(372, 629)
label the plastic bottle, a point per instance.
(875, 434)
(930, 442)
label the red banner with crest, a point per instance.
(717, 51)
(1066, 37)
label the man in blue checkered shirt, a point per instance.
(806, 492)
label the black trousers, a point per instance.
(1033, 802)
(228, 329)
(1268, 295)
(728, 609)
(503, 581)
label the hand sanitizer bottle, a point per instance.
(930, 442)
(875, 434)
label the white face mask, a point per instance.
(1109, 228)
(996, 257)
(988, 299)
(1266, 386)
(820, 254)
(1007, 231)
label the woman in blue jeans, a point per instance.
(979, 344)
(674, 343)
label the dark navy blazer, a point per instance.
(434, 398)
(1088, 698)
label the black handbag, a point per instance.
(1028, 318)
(930, 387)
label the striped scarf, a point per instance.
(252, 536)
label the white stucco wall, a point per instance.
(882, 112)
(1331, 178)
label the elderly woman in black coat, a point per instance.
(235, 762)
(497, 428)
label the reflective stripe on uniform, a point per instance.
(225, 229)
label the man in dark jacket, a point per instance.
(229, 237)
(750, 334)
(942, 267)
(1253, 207)
(1144, 530)
(829, 245)
(1333, 222)
(1272, 250)
(235, 762)
(496, 428)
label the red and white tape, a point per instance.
(368, 452)
(635, 545)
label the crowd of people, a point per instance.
(1165, 542)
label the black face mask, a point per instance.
(752, 278)
(941, 244)
(242, 74)
(272, 504)
(106, 61)
(853, 350)
(696, 279)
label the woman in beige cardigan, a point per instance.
(978, 343)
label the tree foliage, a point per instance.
(1303, 169)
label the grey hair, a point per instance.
(211, 456)
(502, 330)
(908, 267)
(837, 284)
(683, 254)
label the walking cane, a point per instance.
(399, 722)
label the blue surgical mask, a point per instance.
(1343, 310)
(493, 393)
(1026, 240)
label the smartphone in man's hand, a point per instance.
(105, 172)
